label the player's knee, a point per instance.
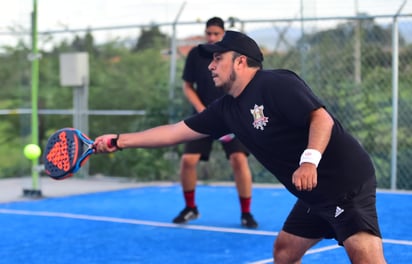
(189, 161)
(283, 253)
(238, 158)
(282, 256)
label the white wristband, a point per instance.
(312, 156)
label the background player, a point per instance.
(200, 91)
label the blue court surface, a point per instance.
(134, 226)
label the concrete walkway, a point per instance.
(19, 189)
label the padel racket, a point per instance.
(66, 151)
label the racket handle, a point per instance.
(109, 143)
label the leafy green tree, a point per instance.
(151, 38)
(14, 93)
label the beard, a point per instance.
(225, 87)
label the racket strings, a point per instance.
(66, 151)
(60, 152)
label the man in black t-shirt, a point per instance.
(288, 129)
(200, 91)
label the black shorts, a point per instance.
(354, 213)
(204, 147)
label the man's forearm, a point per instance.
(161, 136)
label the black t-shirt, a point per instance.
(196, 71)
(271, 118)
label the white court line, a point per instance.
(162, 224)
(138, 222)
(311, 251)
(192, 227)
(397, 242)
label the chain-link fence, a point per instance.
(360, 66)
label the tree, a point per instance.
(151, 38)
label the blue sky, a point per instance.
(57, 14)
(80, 14)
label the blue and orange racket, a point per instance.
(66, 151)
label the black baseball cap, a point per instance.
(234, 41)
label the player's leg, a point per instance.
(194, 152)
(364, 247)
(242, 173)
(238, 159)
(302, 229)
(188, 171)
(188, 179)
(289, 248)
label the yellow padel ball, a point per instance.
(32, 151)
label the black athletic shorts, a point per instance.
(354, 213)
(204, 147)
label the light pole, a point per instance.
(34, 57)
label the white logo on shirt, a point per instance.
(338, 211)
(260, 120)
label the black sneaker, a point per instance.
(186, 215)
(248, 220)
